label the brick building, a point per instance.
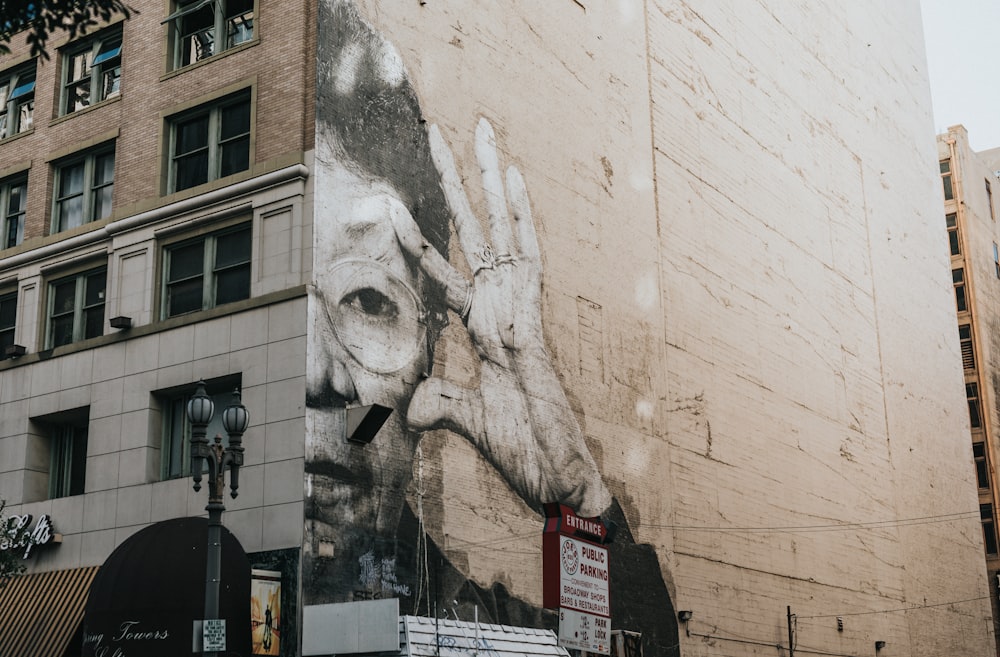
(672, 266)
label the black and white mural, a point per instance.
(400, 254)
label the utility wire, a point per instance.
(890, 611)
(875, 524)
(736, 638)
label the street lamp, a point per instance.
(235, 419)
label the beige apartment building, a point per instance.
(968, 179)
(674, 267)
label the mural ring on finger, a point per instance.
(487, 259)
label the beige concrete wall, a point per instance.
(746, 295)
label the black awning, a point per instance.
(147, 594)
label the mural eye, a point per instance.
(372, 302)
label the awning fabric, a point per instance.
(153, 586)
(39, 613)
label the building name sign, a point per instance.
(18, 534)
(129, 633)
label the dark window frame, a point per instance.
(194, 25)
(958, 282)
(12, 214)
(982, 465)
(179, 288)
(946, 180)
(175, 442)
(975, 407)
(8, 320)
(87, 312)
(989, 528)
(95, 192)
(17, 99)
(68, 460)
(101, 60)
(954, 240)
(202, 143)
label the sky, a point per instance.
(963, 49)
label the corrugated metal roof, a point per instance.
(425, 637)
(40, 612)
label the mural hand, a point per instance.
(519, 418)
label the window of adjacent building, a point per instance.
(982, 469)
(972, 395)
(17, 100)
(207, 271)
(949, 193)
(76, 308)
(13, 201)
(958, 280)
(84, 185)
(92, 72)
(202, 28)
(210, 142)
(176, 445)
(68, 460)
(989, 199)
(989, 528)
(952, 221)
(8, 318)
(965, 340)
(996, 259)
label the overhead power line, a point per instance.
(891, 611)
(875, 524)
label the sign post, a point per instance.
(576, 577)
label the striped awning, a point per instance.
(39, 613)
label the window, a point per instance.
(68, 461)
(989, 528)
(982, 470)
(8, 317)
(92, 72)
(17, 100)
(965, 340)
(210, 142)
(989, 199)
(207, 271)
(949, 193)
(13, 201)
(84, 187)
(958, 281)
(952, 221)
(76, 308)
(202, 28)
(996, 259)
(972, 395)
(176, 447)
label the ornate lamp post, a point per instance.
(235, 419)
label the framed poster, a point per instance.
(265, 611)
